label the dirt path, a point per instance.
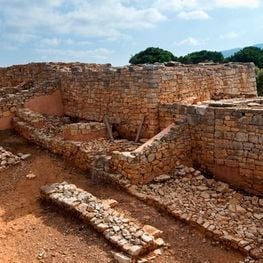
(35, 232)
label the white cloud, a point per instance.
(82, 18)
(237, 3)
(190, 5)
(111, 19)
(190, 41)
(174, 5)
(229, 35)
(99, 54)
(193, 15)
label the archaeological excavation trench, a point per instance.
(185, 140)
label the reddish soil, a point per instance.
(31, 231)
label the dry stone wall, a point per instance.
(225, 141)
(127, 94)
(127, 234)
(156, 157)
(26, 94)
(33, 72)
(191, 83)
(84, 131)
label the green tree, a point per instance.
(249, 54)
(202, 56)
(151, 55)
(259, 77)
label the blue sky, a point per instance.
(110, 31)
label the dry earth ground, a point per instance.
(31, 231)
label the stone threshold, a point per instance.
(127, 234)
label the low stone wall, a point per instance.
(125, 233)
(48, 133)
(34, 119)
(157, 156)
(225, 141)
(84, 131)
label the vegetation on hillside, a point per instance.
(248, 54)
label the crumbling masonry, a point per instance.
(208, 116)
(143, 126)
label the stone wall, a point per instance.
(195, 83)
(44, 97)
(47, 131)
(157, 156)
(84, 131)
(127, 94)
(225, 141)
(33, 72)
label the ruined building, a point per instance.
(138, 123)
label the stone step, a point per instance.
(125, 233)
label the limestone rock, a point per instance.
(31, 176)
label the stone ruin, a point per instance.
(154, 130)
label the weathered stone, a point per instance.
(31, 176)
(121, 258)
(152, 231)
(162, 178)
(118, 229)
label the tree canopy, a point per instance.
(202, 56)
(249, 54)
(152, 55)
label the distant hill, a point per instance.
(230, 52)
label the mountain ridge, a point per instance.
(229, 52)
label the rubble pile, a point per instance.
(7, 158)
(213, 205)
(225, 214)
